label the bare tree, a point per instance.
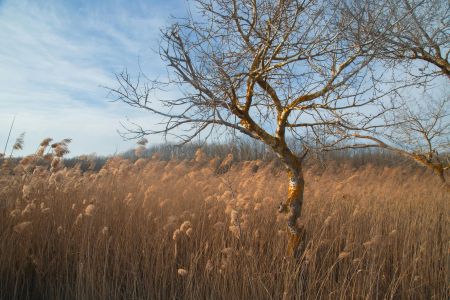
(272, 70)
(421, 133)
(403, 31)
(410, 35)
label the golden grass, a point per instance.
(177, 230)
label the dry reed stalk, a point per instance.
(386, 238)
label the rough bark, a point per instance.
(293, 205)
(441, 174)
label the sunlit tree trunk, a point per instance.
(294, 208)
(294, 203)
(440, 172)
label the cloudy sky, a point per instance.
(55, 58)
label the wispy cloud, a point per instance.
(56, 57)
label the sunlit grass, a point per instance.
(199, 229)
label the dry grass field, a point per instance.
(153, 229)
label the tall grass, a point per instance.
(195, 229)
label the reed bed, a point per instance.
(208, 229)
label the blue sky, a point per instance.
(56, 56)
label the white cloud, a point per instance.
(55, 59)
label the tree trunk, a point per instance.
(293, 207)
(441, 174)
